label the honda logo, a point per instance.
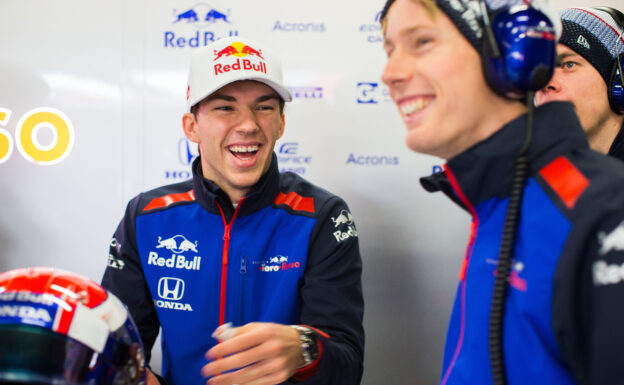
(170, 288)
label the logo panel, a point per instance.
(171, 288)
(614, 241)
(170, 291)
(345, 228)
(276, 263)
(372, 93)
(187, 152)
(30, 308)
(198, 25)
(239, 50)
(372, 30)
(178, 245)
(289, 159)
(310, 92)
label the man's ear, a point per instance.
(189, 125)
(281, 131)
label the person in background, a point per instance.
(265, 263)
(591, 52)
(541, 284)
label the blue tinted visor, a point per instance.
(34, 355)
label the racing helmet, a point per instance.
(59, 328)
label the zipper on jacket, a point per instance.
(227, 232)
(243, 266)
(243, 272)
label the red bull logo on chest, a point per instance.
(178, 244)
(243, 53)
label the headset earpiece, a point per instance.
(616, 86)
(526, 40)
(616, 80)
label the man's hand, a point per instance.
(257, 354)
(151, 378)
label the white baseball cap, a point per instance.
(229, 60)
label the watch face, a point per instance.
(309, 347)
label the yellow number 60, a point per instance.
(26, 136)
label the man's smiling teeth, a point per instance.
(413, 106)
(253, 148)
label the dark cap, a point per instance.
(593, 34)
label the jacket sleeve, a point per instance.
(332, 301)
(600, 311)
(123, 277)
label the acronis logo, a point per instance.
(372, 160)
(197, 26)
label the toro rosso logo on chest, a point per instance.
(178, 244)
(277, 263)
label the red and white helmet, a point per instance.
(57, 327)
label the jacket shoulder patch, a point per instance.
(170, 199)
(565, 179)
(295, 201)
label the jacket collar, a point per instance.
(485, 170)
(617, 147)
(262, 194)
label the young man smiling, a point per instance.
(590, 45)
(241, 254)
(541, 286)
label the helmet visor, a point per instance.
(33, 355)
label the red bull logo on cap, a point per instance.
(239, 50)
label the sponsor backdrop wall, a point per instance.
(91, 99)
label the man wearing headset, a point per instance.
(542, 282)
(590, 49)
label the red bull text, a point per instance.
(240, 64)
(239, 50)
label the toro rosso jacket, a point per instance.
(184, 259)
(563, 321)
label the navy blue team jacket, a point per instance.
(184, 259)
(563, 321)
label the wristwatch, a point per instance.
(309, 347)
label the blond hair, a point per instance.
(430, 6)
